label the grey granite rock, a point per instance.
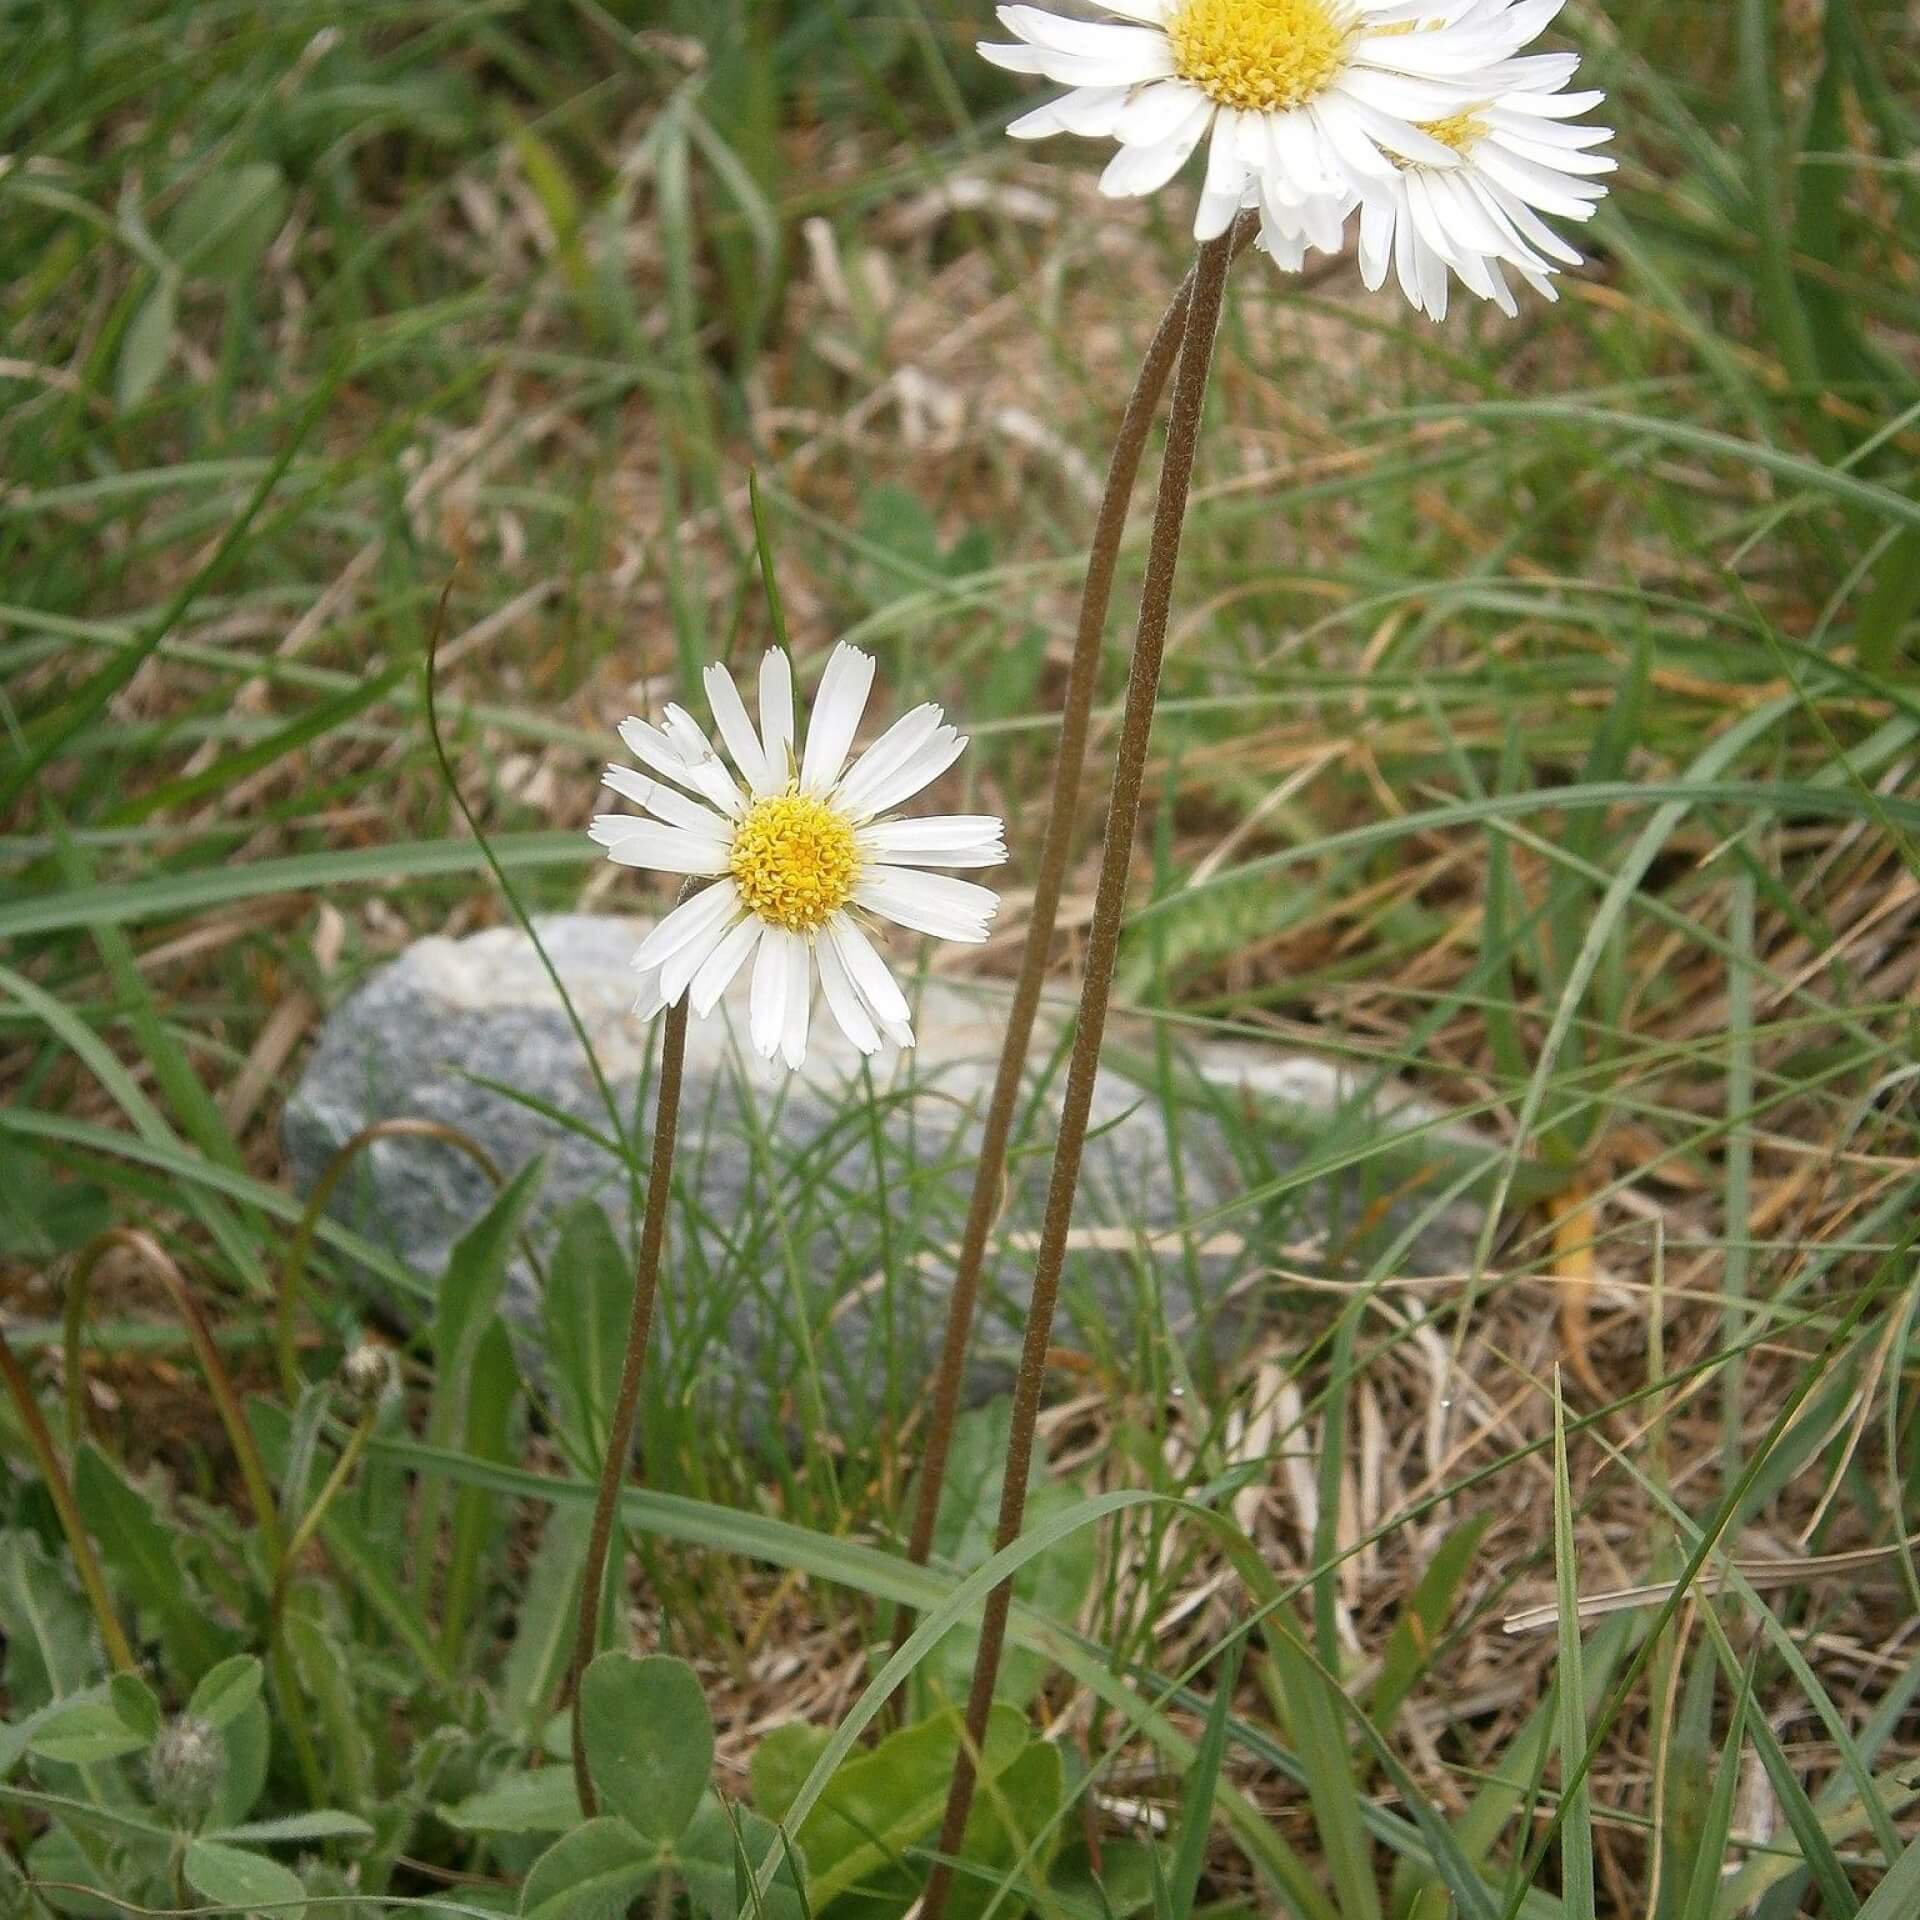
(808, 1255)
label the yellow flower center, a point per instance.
(793, 861)
(1461, 132)
(1259, 55)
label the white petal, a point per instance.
(837, 708)
(1554, 156)
(1377, 212)
(776, 716)
(1155, 113)
(871, 979)
(1226, 180)
(665, 802)
(767, 1006)
(934, 839)
(1088, 111)
(1346, 140)
(696, 922)
(652, 748)
(793, 1031)
(1152, 12)
(901, 741)
(1140, 170)
(1550, 192)
(640, 843)
(843, 1002)
(723, 962)
(918, 771)
(730, 716)
(1405, 98)
(1021, 59)
(705, 773)
(648, 1000)
(928, 902)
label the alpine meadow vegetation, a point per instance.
(1375, 537)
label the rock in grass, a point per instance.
(810, 1248)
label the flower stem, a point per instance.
(1056, 847)
(310, 1524)
(293, 1268)
(85, 1561)
(1110, 899)
(646, 1280)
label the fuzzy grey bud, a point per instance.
(185, 1767)
(368, 1375)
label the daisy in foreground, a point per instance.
(801, 848)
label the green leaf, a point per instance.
(140, 1549)
(593, 1873)
(1055, 1584)
(323, 1823)
(1196, 1801)
(135, 1703)
(231, 1877)
(584, 1310)
(226, 221)
(42, 1213)
(717, 1845)
(1421, 1622)
(147, 344)
(781, 1763)
(49, 1639)
(247, 1738)
(1898, 1895)
(227, 1690)
(1711, 1851)
(325, 1671)
(469, 1302)
(541, 1800)
(649, 1740)
(1576, 1833)
(880, 1803)
(1122, 1887)
(84, 1733)
(1012, 1831)
(492, 1390)
(57, 1862)
(549, 1614)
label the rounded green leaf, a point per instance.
(539, 1800)
(147, 344)
(85, 1733)
(232, 1877)
(226, 1691)
(222, 227)
(592, 1874)
(649, 1740)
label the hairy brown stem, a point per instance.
(646, 1281)
(1110, 900)
(293, 1268)
(1056, 848)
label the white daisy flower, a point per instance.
(801, 849)
(1514, 156)
(1301, 101)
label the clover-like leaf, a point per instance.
(592, 1873)
(649, 1740)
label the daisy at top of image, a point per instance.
(1516, 156)
(1301, 101)
(803, 850)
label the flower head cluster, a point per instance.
(803, 850)
(1426, 117)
